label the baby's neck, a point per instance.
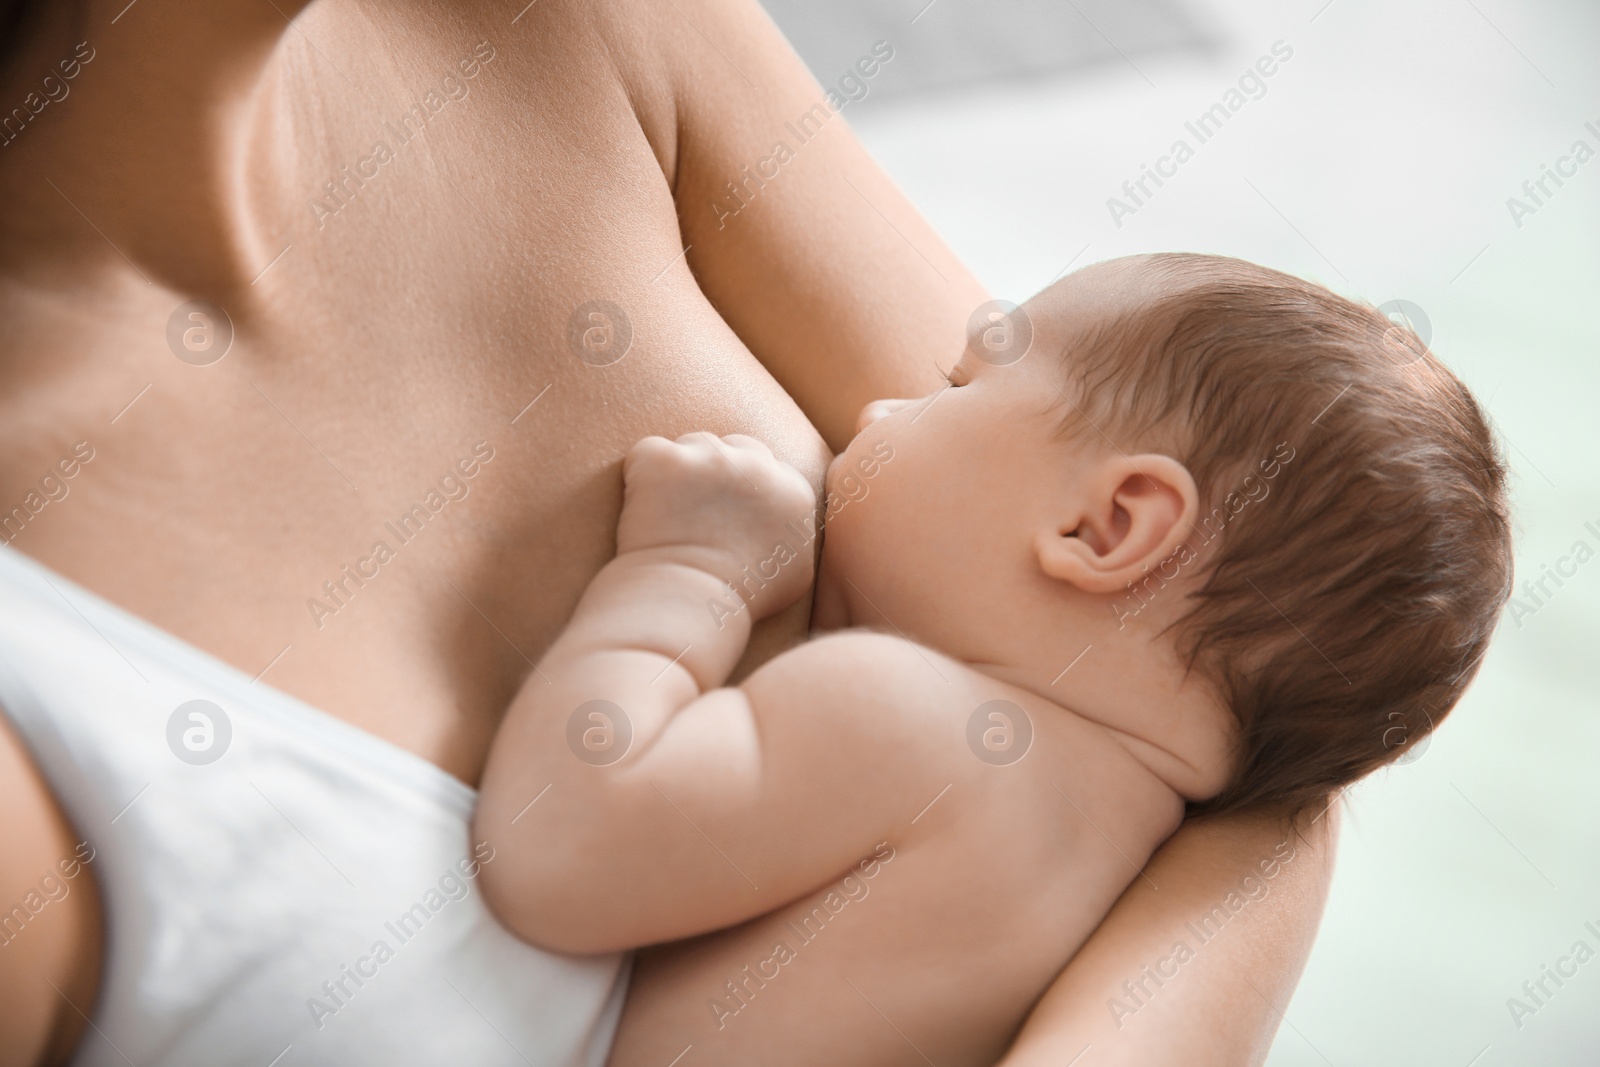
(1174, 733)
(1131, 685)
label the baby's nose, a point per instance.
(877, 409)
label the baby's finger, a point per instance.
(740, 440)
(697, 437)
(643, 450)
(645, 446)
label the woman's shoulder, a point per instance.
(49, 918)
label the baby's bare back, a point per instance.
(934, 946)
(882, 853)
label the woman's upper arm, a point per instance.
(810, 253)
(49, 943)
(841, 289)
(1136, 999)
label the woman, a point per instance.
(289, 277)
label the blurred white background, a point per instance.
(1379, 161)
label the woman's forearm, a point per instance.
(1199, 969)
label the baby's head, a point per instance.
(1275, 520)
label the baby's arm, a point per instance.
(686, 807)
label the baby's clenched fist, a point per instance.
(728, 502)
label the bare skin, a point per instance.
(1222, 992)
(421, 317)
(982, 554)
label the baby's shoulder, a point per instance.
(865, 656)
(884, 687)
(870, 680)
(879, 682)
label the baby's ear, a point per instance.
(1130, 516)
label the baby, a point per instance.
(1184, 534)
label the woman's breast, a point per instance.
(389, 493)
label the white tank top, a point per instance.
(280, 887)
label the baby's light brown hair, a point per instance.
(1342, 614)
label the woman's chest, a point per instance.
(380, 475)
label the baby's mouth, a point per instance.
(827, 477)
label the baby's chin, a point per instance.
(830, 609)
(840, 485)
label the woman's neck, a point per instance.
(133, 138)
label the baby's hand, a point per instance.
(734, 508)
